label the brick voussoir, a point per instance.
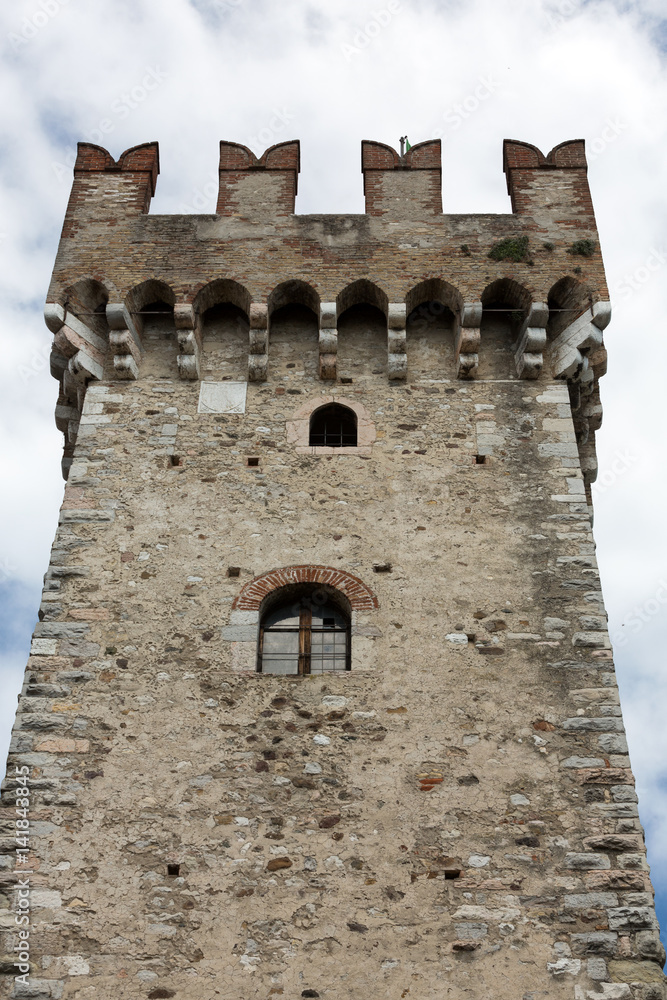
(360, 596)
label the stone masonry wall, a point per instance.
(456, 815)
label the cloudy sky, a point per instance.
(190, 72)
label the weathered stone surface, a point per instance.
(584, 862)
(594, 943)
(424, 822)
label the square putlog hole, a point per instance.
(253, 463)
(173, 871)
(233, 571)
(481, 459)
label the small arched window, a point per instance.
(307, 633)
(333, 426)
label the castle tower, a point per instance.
(321, 702)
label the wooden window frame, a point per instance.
(305, 630)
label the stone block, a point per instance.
(222, 397)
(586, 862)
(612, 842)
(580, 724)
(620, 880)
(591, 640)
(38, 989)
(596, 969)
(629, 918)
(60, 630)
(639, 973)
(595, 943)
(610, 743)
(624, 793)
(580, 762)
(590, 900)
(53, 745)
(44, 647)
(649, 946)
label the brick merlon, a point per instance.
(144, 158)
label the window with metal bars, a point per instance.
(300, 638)
(333, 426)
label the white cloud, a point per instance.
(226, 69)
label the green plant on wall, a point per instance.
(583, 248)
(513, 248)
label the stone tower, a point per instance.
(321, 702)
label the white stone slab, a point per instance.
(222, 397)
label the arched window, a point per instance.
(307, 633)
(333, 426)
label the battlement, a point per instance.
(396, 188)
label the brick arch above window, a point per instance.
(298, 428)
(360, 596)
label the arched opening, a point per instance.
(506, 305)
(294, 308)
(304, 629)
(430, 339)
(159, 340)
(152, 307)
(362, 331)
(333, 426)
(222, 308)
(225, 332)
(567, 300)
(87, 299)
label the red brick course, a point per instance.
(361, 598)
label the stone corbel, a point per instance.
(584, 335)
(328, 341)
(125, 341)
(65, 415)
(468, 338)
(397, 356)
(189, 342)
(84, 366)
(258, 357)
(84, 350)
(529, 348)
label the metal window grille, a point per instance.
(333, 427)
